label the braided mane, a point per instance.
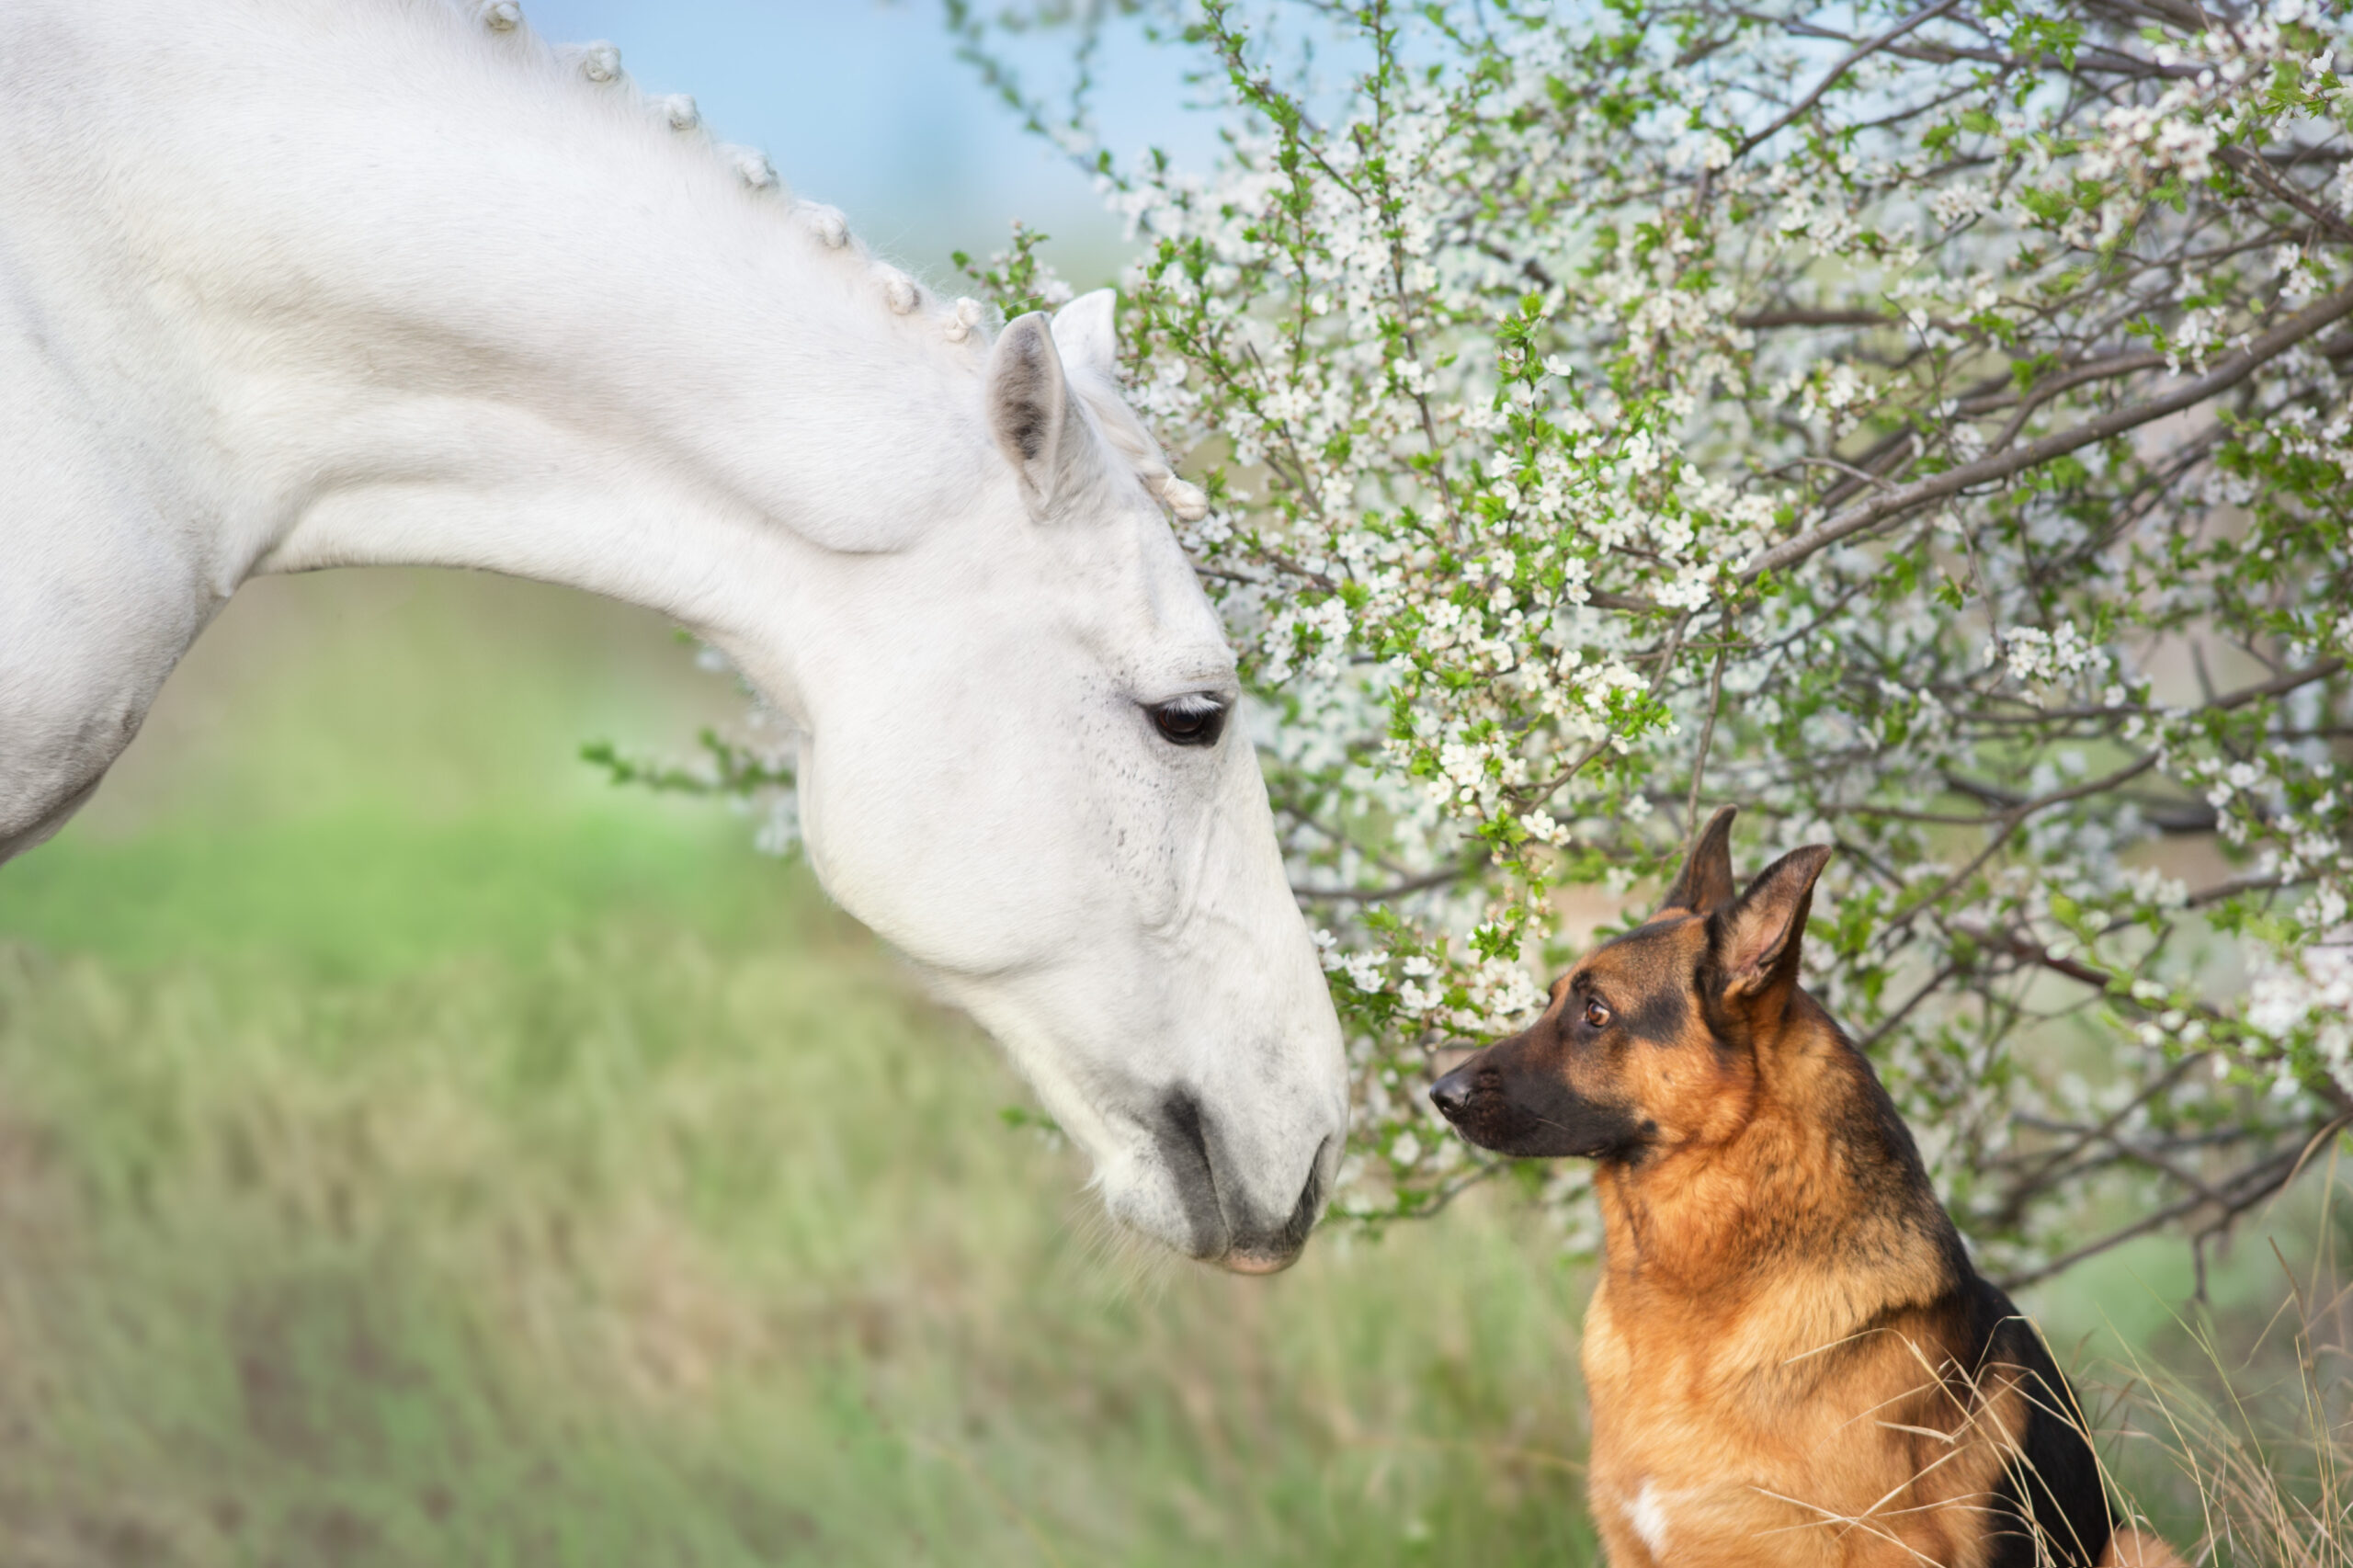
(597, 65)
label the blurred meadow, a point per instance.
(414, 1151)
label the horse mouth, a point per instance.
(1256, 1265)
(1272, 1255)
(1236, 1243)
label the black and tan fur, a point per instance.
(1790, 1359)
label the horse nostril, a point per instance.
(1451, 1093)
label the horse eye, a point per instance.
(1596, 1014)
(1192, 721)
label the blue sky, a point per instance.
(862, 103)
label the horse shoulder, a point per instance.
(100, 594)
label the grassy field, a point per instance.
(411, 1153)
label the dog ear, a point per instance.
(1757, 941)
(1704, 885)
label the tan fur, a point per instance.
(1771, 1419)
(2138, 1548)
(1789, 1359)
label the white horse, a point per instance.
(291, 284)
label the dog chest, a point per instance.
(1723, 1520)
(1647, 1515)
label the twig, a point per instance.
(2259, 1182)
(1545, 791)
(1853, 57)
(1422, 883)
(1707, 733)
(2008, 823)
(2099, 369)
(1936, 982)
(1765, 320)
(2278, 686)
(2027, 1186)
(2001, 465)
(2256, 173)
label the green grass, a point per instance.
(646, 1243)
(411, 1168)
(413, 1153)
(371, 894)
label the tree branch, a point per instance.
(2001, 465)
(1853, 57)
(1422, 883)
(2243, 1191)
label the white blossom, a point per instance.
(1507, 369)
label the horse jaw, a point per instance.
(1128, 936)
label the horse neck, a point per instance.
(397, 290)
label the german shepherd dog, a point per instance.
(1790, 1358)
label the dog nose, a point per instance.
(1451, 1093)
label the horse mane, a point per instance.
(597, 67)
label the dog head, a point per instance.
(1655, 1040)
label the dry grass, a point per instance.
(396, 1169)
(2233, 1430)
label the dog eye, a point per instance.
(1596, 1014)
(1195, 719)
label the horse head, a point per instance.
(1024, 766)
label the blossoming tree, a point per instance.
(1926, 428)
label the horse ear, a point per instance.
(1757, 940)
(1704, 885)
(1088, 334)
(1088, 337)
(1031, 412)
